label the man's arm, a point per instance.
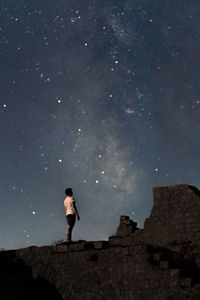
(76, 211)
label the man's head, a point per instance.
(69, 192)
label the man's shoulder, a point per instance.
(66, 199)
(71, 199)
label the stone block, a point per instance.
(156, 258)
(88, 246)
(174, 273)
(76, 247)
(36, 271)
(186, 282)
(164, 265)
(24, 251)
(101, 244)
(62, 248)
(44, 259)
(115, 240)
(43, 250)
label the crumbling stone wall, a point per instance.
(160, 261)
(175, 215)
(174, 220)
(100, 270)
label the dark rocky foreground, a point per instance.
(161, 261)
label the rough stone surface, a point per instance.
(126, 226)
(161, 261)
(175, 216)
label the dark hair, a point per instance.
(69, 192)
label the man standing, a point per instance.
(71, 212)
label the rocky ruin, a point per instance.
(160, 261)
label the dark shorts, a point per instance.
(71, 219)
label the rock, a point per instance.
(126, 226)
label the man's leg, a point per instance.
(71, 222)
(69, 233)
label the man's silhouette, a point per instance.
(71, 212)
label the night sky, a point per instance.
(101, 96)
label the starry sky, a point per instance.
(99, 95)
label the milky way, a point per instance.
(101, 96)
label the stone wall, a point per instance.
(160, 261)
(174, 216)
